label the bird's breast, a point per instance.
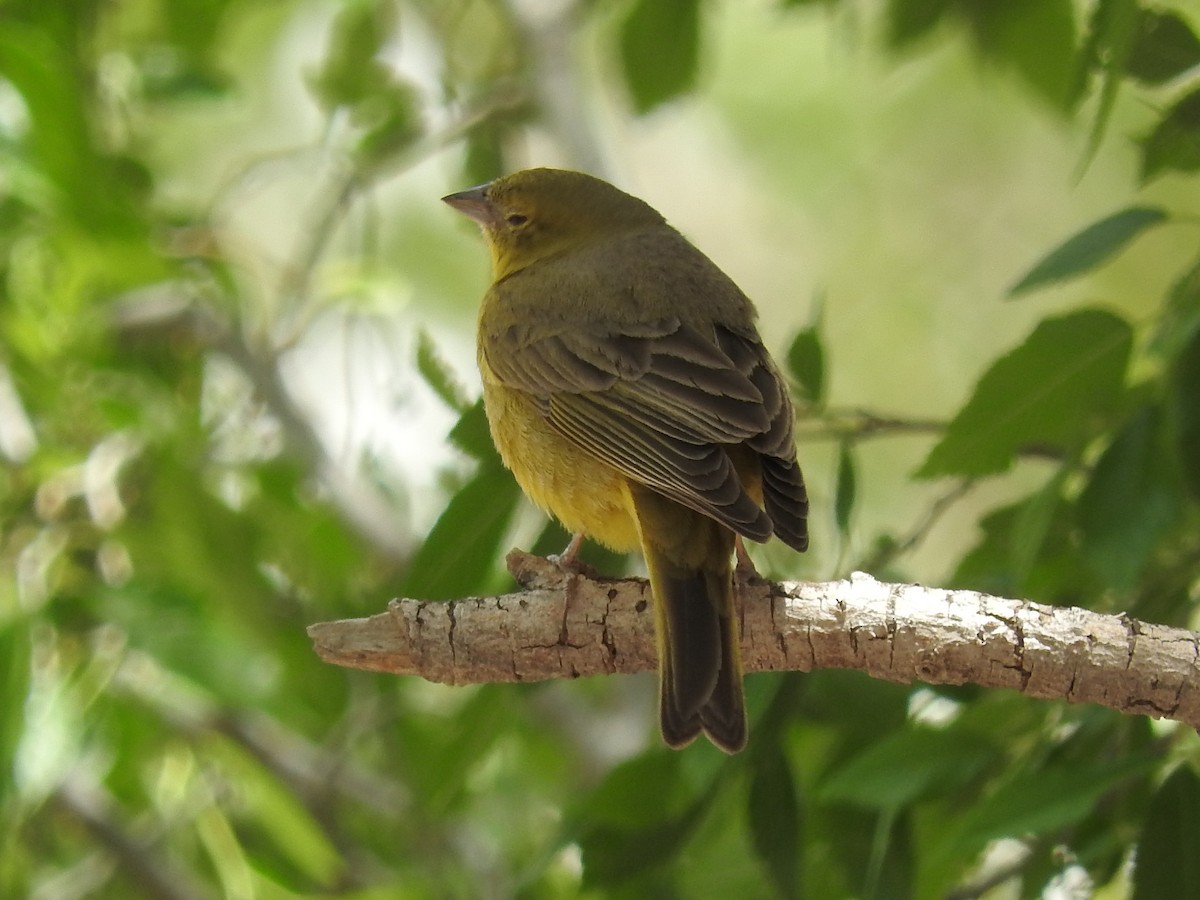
(579, 490)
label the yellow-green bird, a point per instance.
(629, 392)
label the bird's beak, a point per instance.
(473, 202)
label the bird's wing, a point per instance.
(657, 402)
(784, 494)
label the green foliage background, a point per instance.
(236, 398)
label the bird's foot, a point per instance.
(552, 571)
(569, 560)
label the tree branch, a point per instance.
(569, 625)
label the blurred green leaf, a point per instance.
(37, 62)
(806, 363)
(461, 549)
(1047, 566)
(1109, 40)
(438, 374)
(195, 25)
(773, 812)
(216, 557)
(1089, 248)
(660, 48)
(439, 754)
(350, 73)
(908, 765)
(1165, 47)
(1167, 862)
(1181, 315)
(310, 539)
(278, 832)
(846, 490)
(14, 692)
(472, 435)
(352, 76)
(1036, 518)
(390, 120)
(1174, 143)
(188, 81)
(861, 709)
(719, 859)
(1184, 387)
(910, 20)
(1051, 393)
(873, 852)
(638, 818)
(1131, 499)
(612, 857)
(1035, 37)
(647, 788)
(1043, 801)
(190, 65)
(485, 152)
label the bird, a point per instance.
(629, 392)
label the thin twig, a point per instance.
(861, 424)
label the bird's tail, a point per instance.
(700, 672)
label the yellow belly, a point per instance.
(583, 493)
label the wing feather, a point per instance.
(699, 477)
(660, 401)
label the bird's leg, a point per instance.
(568, 560)
(745, 570)
(743, 573)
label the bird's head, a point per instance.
(537, 213)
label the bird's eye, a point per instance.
(516, 220)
